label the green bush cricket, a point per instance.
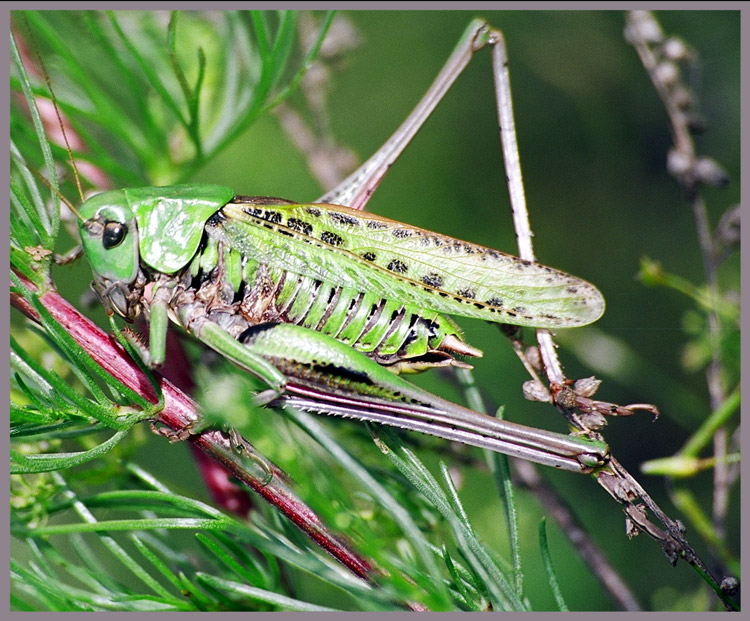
(325, 303)
(329, 370)
(243, 273)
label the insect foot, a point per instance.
(593, 411)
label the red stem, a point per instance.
(179, 411)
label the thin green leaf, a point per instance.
(22, 235)
(99, 98)
(114, 548)
(412, 532)
(282, 45)
(250, 577)
(280, 601)
(262, 32)
(502, 593)
(33, 209)
(304, 66)
(81, 359)
(192, 96)
(149, 126)
(55, 386)
(37, 403)
(27, 464)
(453, 498)
(158, 564)
(92, 570)
(465, 598)
(547, 559)
(41, 134)
(52, 594)
(501, 472)
(38, 211)
(151, 76)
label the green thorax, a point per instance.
(170, 222)
(300, 288)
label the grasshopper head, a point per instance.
(109, 237)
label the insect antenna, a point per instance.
(60, 195)
(47, 80)
(78, 250)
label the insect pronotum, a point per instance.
(327, 304)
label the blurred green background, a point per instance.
(593, 139)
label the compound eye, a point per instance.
(114, 233)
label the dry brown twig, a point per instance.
(615, 479)
(662, 58)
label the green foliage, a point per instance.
(154, 95)
(106, 517)
(93, 529)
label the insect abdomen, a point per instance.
(395, 334)
(387, 330)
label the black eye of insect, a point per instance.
(114, 233)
